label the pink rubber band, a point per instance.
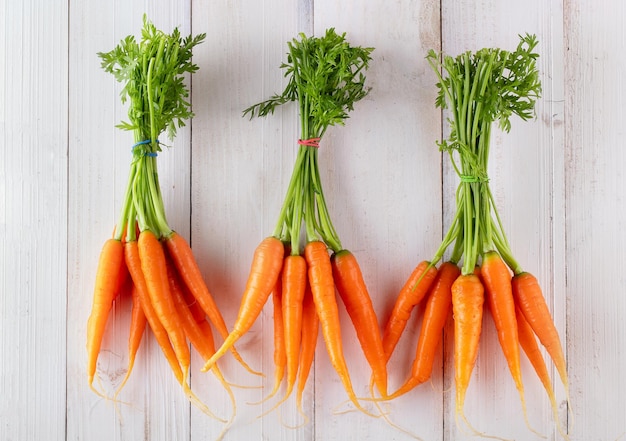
(311, 142)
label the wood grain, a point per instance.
(557, 181)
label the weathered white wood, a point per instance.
(63, 170)
(595, 213)
(240, 172)
(524, 175)
(154, 405)
(33, 218)
(380, 173)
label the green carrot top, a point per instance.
(326, 77)
(153, 72)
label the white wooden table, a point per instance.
(558, 181)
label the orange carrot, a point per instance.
(529, 344)
(435, 315)
(133, 262)
(529, 298)
(410, 295)
(110, 267)
(497, 281)
(467, 309)
(137, 329)
(353, 292)
(194, 331)
(188, 321)
(187, 266)
(294, 282)
(310, 330)
(264, 272)
(323, 290)
(154, 268)
(280, 357)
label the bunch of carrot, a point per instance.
(302, 271)
(145, 256)
(478, 89)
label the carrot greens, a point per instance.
(153, 72)
(326, 78)
(479, 89)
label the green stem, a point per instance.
(327, 230)
(125, 213)
(291, 189)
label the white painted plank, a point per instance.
(240, 173)
(63, 169)
(382, 178)
(595, 213)
(33, 219)
(523, 174)
(155, 406)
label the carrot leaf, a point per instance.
(478, 89)
(152, 71)
(326, 78)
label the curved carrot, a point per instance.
(410, 295)
(265, 269)
(310, 330)
(108, 275)
(137, 329)
(195, 333)
(280, 358)
(530, 347)
(323, 291)
(353, 292)
(133, 262)
(154, 268)
(529, 298)
(187, 266)
(467, 309)
(435, 315)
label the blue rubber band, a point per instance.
(144, 142)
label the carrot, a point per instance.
(530, 347)
(110, 267)
(265, 269)
(497, 281)
(137, 330)
(410, 295)
(154, 269)
(187, 266)
(529, 298)
(280, 357)
(435, 314)
(133, 262)
(194, 332)
(323, 291)
(207, 333)
(294, 282)
(353, 292)
(310, 330)
(467, 307)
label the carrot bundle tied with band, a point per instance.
(325, 77)
(478, 89)
(160, 262)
